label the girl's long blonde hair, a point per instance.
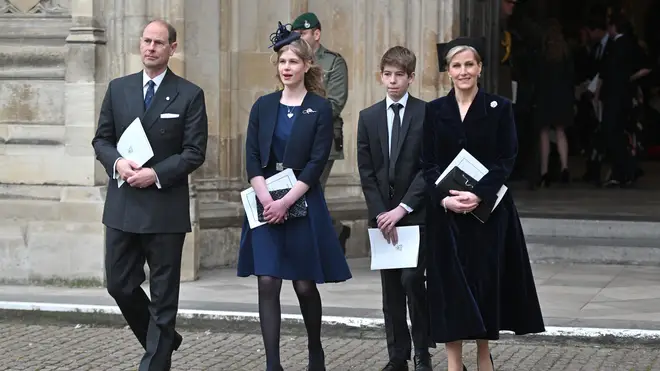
(313, 79)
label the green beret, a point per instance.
(306, 21)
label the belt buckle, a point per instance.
(279, 166)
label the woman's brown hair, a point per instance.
(314, 76)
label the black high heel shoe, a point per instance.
(491, 363)
(544, 181)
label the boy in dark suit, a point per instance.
(389, 144)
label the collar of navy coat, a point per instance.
(165, 95)
(268, 113)
(484, 109)
(383, 132)
(479, 122)
(478, 109)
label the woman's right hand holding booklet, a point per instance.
(460, 202)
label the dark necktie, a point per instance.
(150, 94)
(396, 132)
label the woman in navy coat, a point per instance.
(479, 276)
(291, 129)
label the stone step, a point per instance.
(589, 250)
(591, 228)
(551, 240)
(50, 203)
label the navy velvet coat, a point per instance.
(479, 276)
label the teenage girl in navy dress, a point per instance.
(291, 128)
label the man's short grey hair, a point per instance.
(171, 31)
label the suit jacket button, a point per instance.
(162, 131)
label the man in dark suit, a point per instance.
(389, 144)
(148, 217)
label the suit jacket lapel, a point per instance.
(269, 121)
(408, 115)
(477, 110)
(164, 96)
(134, 96)
(381, 123)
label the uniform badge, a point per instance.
(307, 25)
(493, 104)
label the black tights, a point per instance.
(270, 316)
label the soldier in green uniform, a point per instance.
(335, 77)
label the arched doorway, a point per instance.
(481, 18)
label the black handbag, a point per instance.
(458, 180)
(297, 210)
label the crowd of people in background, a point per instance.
(586, 87)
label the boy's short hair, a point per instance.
(400, 57)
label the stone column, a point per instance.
(81, 204)
(135, 16)
(175, 14)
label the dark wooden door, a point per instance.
(481, 18)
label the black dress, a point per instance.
(555, 93)
(479, 276)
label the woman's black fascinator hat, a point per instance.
(283, 36)
(477, 43)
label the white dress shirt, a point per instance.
(390, 122)
(145, 85)
(603, 43)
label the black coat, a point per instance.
(374, 161)
(479, 276)
(311, 137)
(179, 146)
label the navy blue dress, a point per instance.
(304, 248)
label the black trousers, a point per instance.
(152, 321)
(617, 113)
(401, 287)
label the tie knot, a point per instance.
(151, 83)
(396, 107)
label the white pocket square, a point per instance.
(169, 115)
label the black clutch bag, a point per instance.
(297, 210)
(458, 180)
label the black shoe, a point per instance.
(317, 363)
(422, 361)
(544, 181)
(178, 339)
(396, 366)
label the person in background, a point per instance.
(479, 275)
(389, 145)
(291, 129)
(554, 98)
(519, 52)
(335, 79)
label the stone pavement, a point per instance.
(62, 348)
(594, 296)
